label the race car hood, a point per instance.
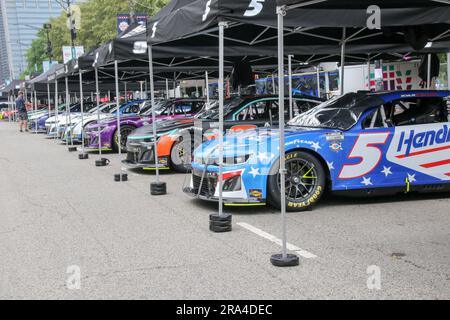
(254, 142)
(112, 120)
(146, 132)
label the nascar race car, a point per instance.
(74, 129)
(361, 143)
(175, 146)
(56, 125)
(165, 110)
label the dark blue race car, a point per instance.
(369, 143)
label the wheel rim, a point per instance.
(301, 180)
(181, 153)
(123, 137)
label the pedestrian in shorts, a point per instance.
(22, 112)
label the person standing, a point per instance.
(22, 111)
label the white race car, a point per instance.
(57, 124)
(75, 128)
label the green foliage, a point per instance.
(98, 25)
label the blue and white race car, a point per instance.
(362, 143)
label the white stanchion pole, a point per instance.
(283, 259)
(343, 60)
(291, 102)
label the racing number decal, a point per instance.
(154, 29)
(254, 8)
(207, 10)
(368, 152)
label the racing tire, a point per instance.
(305, 182)
(125, 130)
(180, 156)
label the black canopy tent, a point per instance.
(207, 25)
(229, 26)
(419, 23)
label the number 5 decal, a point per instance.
(369, 154)
(255, 7)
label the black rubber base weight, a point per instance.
(220, 224)
(103, 162)
(72, 149)
(83, 156)
(121, 177)
(158, 188)
(291, 260)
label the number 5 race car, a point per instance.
(362, 143)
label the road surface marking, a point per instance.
(268, 236)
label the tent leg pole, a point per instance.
(318, 80)
(448, 70)
(207, 87)
(167, 89)
(429, 72)
(119, 177)
(343, 60)
(68, 107)
(221, 222)
(157, 188)
(56, 107)
(284, 259)
(221, 102)
(83, 155)
(49, 99)
(97, 93)
(274, 91)
(36, 106)
(126, 96)
(291, 102)
(174, 85)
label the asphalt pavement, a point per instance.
(69, 231)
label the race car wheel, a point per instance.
(180, 155)
(305, 182)
(124, 133)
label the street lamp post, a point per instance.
(47, 28)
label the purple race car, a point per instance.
(165, 110)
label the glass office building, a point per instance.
(21, 19)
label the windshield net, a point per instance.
(338, 113)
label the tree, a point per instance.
(98, 25)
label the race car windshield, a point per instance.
(338, 113)
(229, 105)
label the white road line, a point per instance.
(268, 236)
